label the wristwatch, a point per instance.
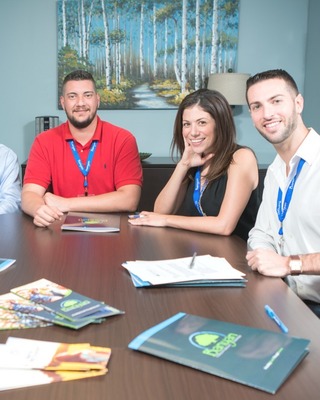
(295, 265)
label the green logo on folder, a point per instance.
(73, 304)
(214, 344)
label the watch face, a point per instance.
(295, 266)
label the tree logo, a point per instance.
(213, 344)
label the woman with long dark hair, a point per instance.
(214, 187)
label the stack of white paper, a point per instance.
(205, 271)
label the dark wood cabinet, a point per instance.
(23, 169)
(156, 173)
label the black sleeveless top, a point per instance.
(211, 201)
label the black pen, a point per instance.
(192, 260)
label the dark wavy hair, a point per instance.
(78, 75)
(273, 74)
(224, 143)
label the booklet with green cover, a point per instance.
(64, 302)
(24, 307)
(255, 357)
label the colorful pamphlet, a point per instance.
(54, 303)
(19, 305)
(17, 320)
(254, 357)
(25, 362)
(19, 378)
(90, 222)
(58, 299)
(37, 354)
(6, 263)
(202, 270)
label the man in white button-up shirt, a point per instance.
(285, 241)
(10, 188)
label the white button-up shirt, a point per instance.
(10, 188)
(301, 226)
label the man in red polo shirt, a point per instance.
(92, 165)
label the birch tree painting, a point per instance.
(147, 54)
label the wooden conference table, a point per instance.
(91, 264)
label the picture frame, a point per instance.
(147, 54)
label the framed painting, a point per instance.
(147, 54)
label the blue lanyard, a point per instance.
(198, 191)
(84, 170)
(282, 209)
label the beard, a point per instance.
(80, 124)
(285, 133)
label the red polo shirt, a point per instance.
(115, 163)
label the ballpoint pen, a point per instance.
(135, 216)
(192, 260)
(276, 319)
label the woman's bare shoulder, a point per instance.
(245, 155)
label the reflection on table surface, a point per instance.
(90, 264)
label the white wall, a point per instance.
(272, 35)
(312, 81)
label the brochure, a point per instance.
(254, 357)
(37, 354)
(59, 299)
(16, 320)
(6, 263)
(19, 305)
(19, 378)
(50, 301)
(25, 362)
(202, 270)
(91, 222)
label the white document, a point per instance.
(162, 272)
(27, 353)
